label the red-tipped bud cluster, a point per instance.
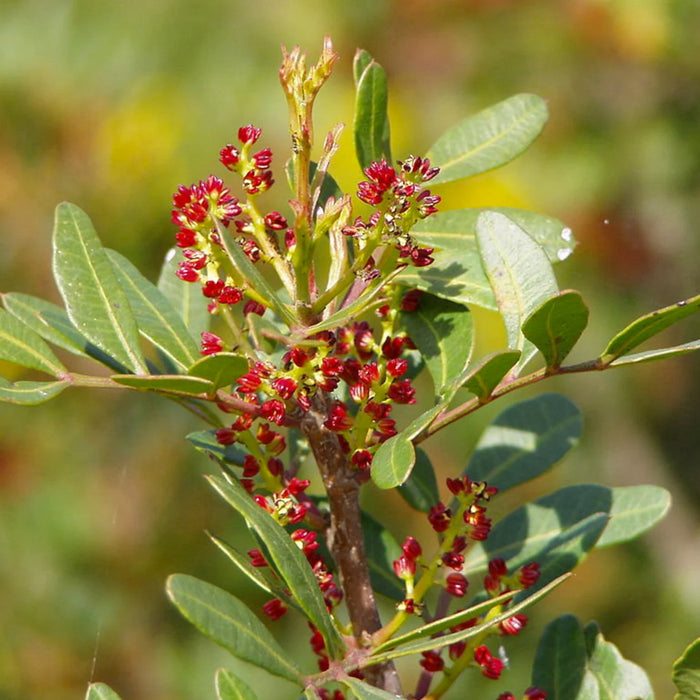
(491, 667)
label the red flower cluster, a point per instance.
(491, 667)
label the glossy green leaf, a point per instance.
(556, 325)
(185, 297)
(371, 123)
(155, 316)
(286, 557)
(221, 369)
(100, 691)
(51, 322)
(525, 440)
(421, 645)
(659, 354)
(22, 346)
(616, 676)
(482, 378)
(489, 139)
(167, 384)
(96, 303)
(231, 687)
(560, 666)
(382, 550)
(30, 393)
(420, 490)
(444, 334)
(520, 274)
(250, 273)
(364, 691)
(647, 327)
(393, 462)
(686, 673)
(457, 273)
(230, 623)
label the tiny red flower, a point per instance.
(497, 567)
(404, 568)
(453, 560)
(529, 574)
(251, 466)
(338, 418)
(253, 307)
(249, 134)
(229, 155)
(534, 693)
(411, 548)
(274, 608)
(411, 300)
(211, 344)
(456, 585)
(230, 295)
(284, 387)
(432, 662)
(440, 517)
(273, 410)
(226, 436)
(402, 392)
(362, 459)
(506, 696)
(257, 558)
(397, 367)
(275, 221)
(263, 160)
(513, 625)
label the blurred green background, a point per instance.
(112, 104)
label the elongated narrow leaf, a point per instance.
(221, 369)
(420, 490)
(185, 297)
(382, 550)
(660, 354)
(229, 622)
(157, 320)
(286, 557)
(482, 378)
(100, 691)
(371, 122)
(257, 282)
(647, 327)
(360, 62)
(167, 384)
(686, 673)
(30, 393)
(525, 441)
(364, 691)
(51, 322)
(457, 273)
(22, 346)
(489, 139)
(616, 676)
(96, 303)
(231, 687)
(556, 325)
(444, 334)
(520, 275)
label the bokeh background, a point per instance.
(111, 105)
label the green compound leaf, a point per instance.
(647, 327)
(489, 139)
(525, 440)
(457, 273)
(230, 623)
(185, 297)
(577, 663)
(686, 673)
(167, 384)
(556, 325)
(520, 274)
(100, 691)
(371, 123)
(444, 334)
(30, 393)
(231, 687)
(221, 369)
(287, 559)
(420, 490)
(482, 378)
(364, 691)
(51, 322)
(96, 303)
(155, 316)
(393, 462)
(22, 346)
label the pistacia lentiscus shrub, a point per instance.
(293, 335)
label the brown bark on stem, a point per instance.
(345, 536)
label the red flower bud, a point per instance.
(274, 609)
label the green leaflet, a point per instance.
(364, 691)
(22, 346)
(185, 297)
(371, 123)
(393, 462)
(556, 325)
(660, 354)
(155, 316)
(573, 663)
(100, 691)
(444, 334)
(30, 393)
(525, 440)
(520, 274)
(221, 369)
(230, 623)
(231, 687)
(686, 673)
(489, 139)
(482, 377)
(96, 303)
(168, 384)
